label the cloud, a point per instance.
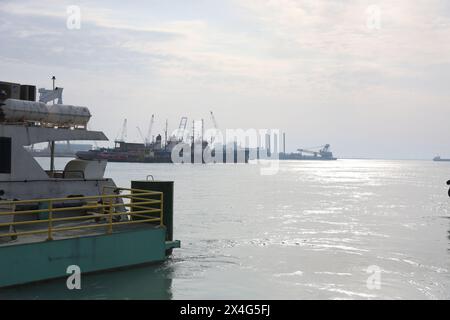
(277, 44)
(311, 60)
(334, 36)
(37, 36)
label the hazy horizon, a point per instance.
(368, 77)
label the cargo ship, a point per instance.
(323, 153)
(156, 152)
(269, 151)
(64, 150)
(130, 152)
(438, 158)
(52, 220)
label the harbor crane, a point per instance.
(123, 134)
(213, 118)
(181, 129)
(149, 139)
(216, 127)
(142, 136)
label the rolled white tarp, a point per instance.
(13, 110)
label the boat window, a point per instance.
(5, 155)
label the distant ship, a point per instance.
(67, 150)
(438, 158)
(323, 153)
(131, 152)
(156, 152)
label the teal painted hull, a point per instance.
(24, 263)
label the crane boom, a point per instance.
(123, 134)
(216, 127)
(148, 139)
(183, 123)
(140, 133)
(182, 128)
(213, 118)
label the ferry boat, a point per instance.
(52, 219)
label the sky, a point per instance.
(371, 78)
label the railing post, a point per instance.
(162, 210)
(50, 220)
(110, 218)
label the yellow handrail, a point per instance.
(104, 208)
(104, 196)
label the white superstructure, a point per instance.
(24, 123)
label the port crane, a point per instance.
(181, 129)
(216, 128)
(123, 134)
(149, 139)
(213, 119)
(142, 136)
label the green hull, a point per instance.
(31, 262)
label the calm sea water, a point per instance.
(311, 231)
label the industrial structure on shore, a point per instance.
(323, 153)
(181, 146)
(270, 150)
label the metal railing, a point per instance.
(143, 207)
(66, 174)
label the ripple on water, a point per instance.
(333, 273)
(295, 273)
(340, 289)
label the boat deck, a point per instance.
(68, 234)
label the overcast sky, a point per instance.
(372, 78)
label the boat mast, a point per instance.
(52, 143)
(165, 135)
